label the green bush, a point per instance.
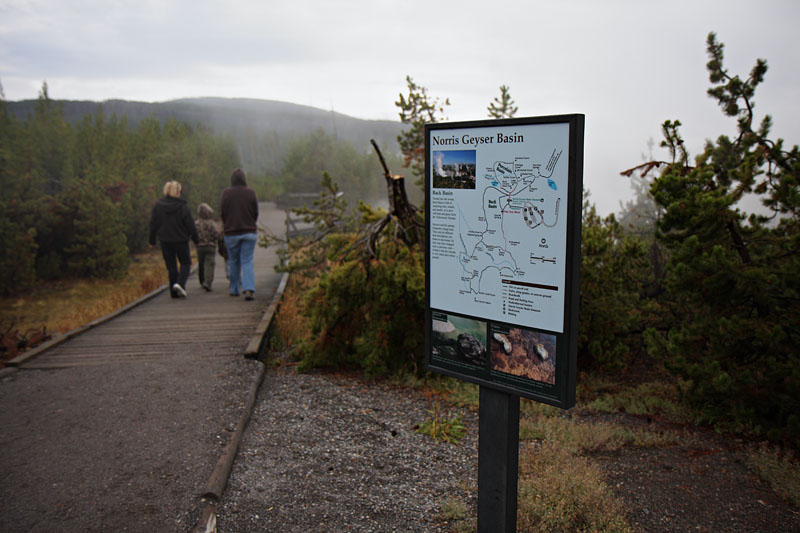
(369, 313)
(613, 270)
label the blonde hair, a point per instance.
(172, 188)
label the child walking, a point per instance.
(209, 234)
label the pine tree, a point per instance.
(17, 255)
(502, 107)
(49, 146)
(416, 110)
(17, 243)
(98, 245)
(77, 198)
(611, 311)
(732, 276)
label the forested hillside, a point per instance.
(77, 197)
(79, 178)
(262, 130)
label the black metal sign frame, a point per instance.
(503, 253)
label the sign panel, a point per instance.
(503, 202)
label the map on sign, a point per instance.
(512, 196)
(498, 226)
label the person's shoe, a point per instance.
(179, 290)
(234, 294)
(248, 295)
(207, 288)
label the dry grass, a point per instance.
(62, 306)
(560, 488)
(779, 468)
(560, 491)
(650, 398)
(456, 515)
(290, 326)
(578, 437)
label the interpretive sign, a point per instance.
(503, 200)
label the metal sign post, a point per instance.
(498, 459)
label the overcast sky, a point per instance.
(627, 65)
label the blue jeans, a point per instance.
(241, 249)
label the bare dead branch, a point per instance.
(400, 209)
(644, 168)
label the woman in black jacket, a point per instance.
(172, 222)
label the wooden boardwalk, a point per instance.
(118, 426)
(202, 325)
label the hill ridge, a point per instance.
(248, 120)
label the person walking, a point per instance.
(210, 234)
(239, 210)
(172, 222)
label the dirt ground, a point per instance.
(702, 483)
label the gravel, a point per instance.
(329, 453)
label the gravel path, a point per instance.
(115, 448)
(328, 453)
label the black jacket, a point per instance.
(172, 221)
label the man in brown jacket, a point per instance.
(239, 210)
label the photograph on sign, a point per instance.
(500, 235)
(454, 169)
(523, 353)
(459, 341)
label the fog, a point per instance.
(627, 65)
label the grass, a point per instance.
(452, 391)
(578, 437)
(455, 514)
(61, 306)
(560, 491)
(560, 488)
(290, 326)
(441, 428)
(779, 469)
(655, 398)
